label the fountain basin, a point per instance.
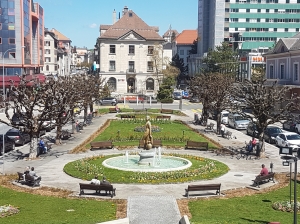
(165, 164)
(146, 157)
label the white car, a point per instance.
(224, 117)
(288, 139)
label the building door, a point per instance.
(131, 85)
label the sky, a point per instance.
(79, 20)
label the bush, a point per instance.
(168, 100)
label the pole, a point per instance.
(291, 183)
(295, 191)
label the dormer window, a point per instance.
(282, 49)
(130, 14)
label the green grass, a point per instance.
(173, 133)
(86, 169)
(249, 209)
(43, 209)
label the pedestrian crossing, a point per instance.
(189, 103)
(196, 110)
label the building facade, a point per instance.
(246, 24)
(125, 54)
(21, 37)
(50, 49)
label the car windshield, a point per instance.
(240, 118)
(274, 130)
(293, 137)
(224, 115)
(12, 133)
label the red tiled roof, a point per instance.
(131, 22)
(59, 35)
(187, 37)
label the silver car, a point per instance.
(237, 121)
(108, 101)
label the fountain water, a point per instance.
(126, 157)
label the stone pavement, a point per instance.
(50, 167)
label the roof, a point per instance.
(187, 37)
(169, 33)
(127, 23)
(59, 35)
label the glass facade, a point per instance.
(7, 31)
(27, 36)
(41, 35)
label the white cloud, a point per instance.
(94, 25)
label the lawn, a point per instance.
(248, 209)
(47, 209)
(201, 169)
(172, 133)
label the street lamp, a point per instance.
(3, 99)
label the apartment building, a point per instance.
(125, 51)
(246, 24)
(21, 37)
(50, 49)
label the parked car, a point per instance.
(177, 95)
(8, 142)
(195, 99)
(252, 130)
(212, 114)
(288, 139)
(289, 125)
(271, 133)
(132, 99)
(237, 121)
(48, 125)
(18, 119)
(108, 101)
(153, 99)
(19, 137)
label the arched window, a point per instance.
(112, 84)
(150, 84)
(47, 67)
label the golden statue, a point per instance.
(148, 140)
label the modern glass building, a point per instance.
(246, 24)
(21, 37)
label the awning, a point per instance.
(15, 80)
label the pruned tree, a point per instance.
(157, 60)
(268, 102)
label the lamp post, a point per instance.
(3, 99)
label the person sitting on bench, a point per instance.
(42, 146)
(104, 181)
(95, 181)
(264, 171)
(33, 174)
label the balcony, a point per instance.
(131, 71)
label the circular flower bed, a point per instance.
(285, 206)
(8, 210)
(143, 128)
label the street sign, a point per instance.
(286, 163)
(285, 151)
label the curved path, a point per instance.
(50, 167)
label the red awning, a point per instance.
(16, 79)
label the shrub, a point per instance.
(167, 100)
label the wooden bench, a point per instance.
(30, 180)
(98, 188)
(228, 134)
(103, 144)
(163, 118)
(126, 116)
(166, 111)
(196, 145)
(112, 110)
(203, 187)
(20, 177)
(209, 127)
(261, 179)
(156, 143)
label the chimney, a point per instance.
(114, 17)
(125, 10)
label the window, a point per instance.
(47, 51)
(12, 55)
(47, 67)
(181, 52)
(131, 66)
(47, 43)
(271, 72)
(131, 49)
(112, 65)
(150, 66)
(112, 49)
(112, 84)
(296, 72)
(150, 84)
(47, 59)
(55, 68)
(11, 40)
(150, 50)
(282, 72)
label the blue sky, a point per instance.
(80, 20)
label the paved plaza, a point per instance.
(50, 167)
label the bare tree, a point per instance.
(265, 100)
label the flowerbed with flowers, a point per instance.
(202, 168)
(8, 210)
(286, 206)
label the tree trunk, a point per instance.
(85, 112)
(33, 151)
(58, 135)
(260, 152)
(91, 108)
(218, 122)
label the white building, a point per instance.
(125, 51)
(50, 50)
